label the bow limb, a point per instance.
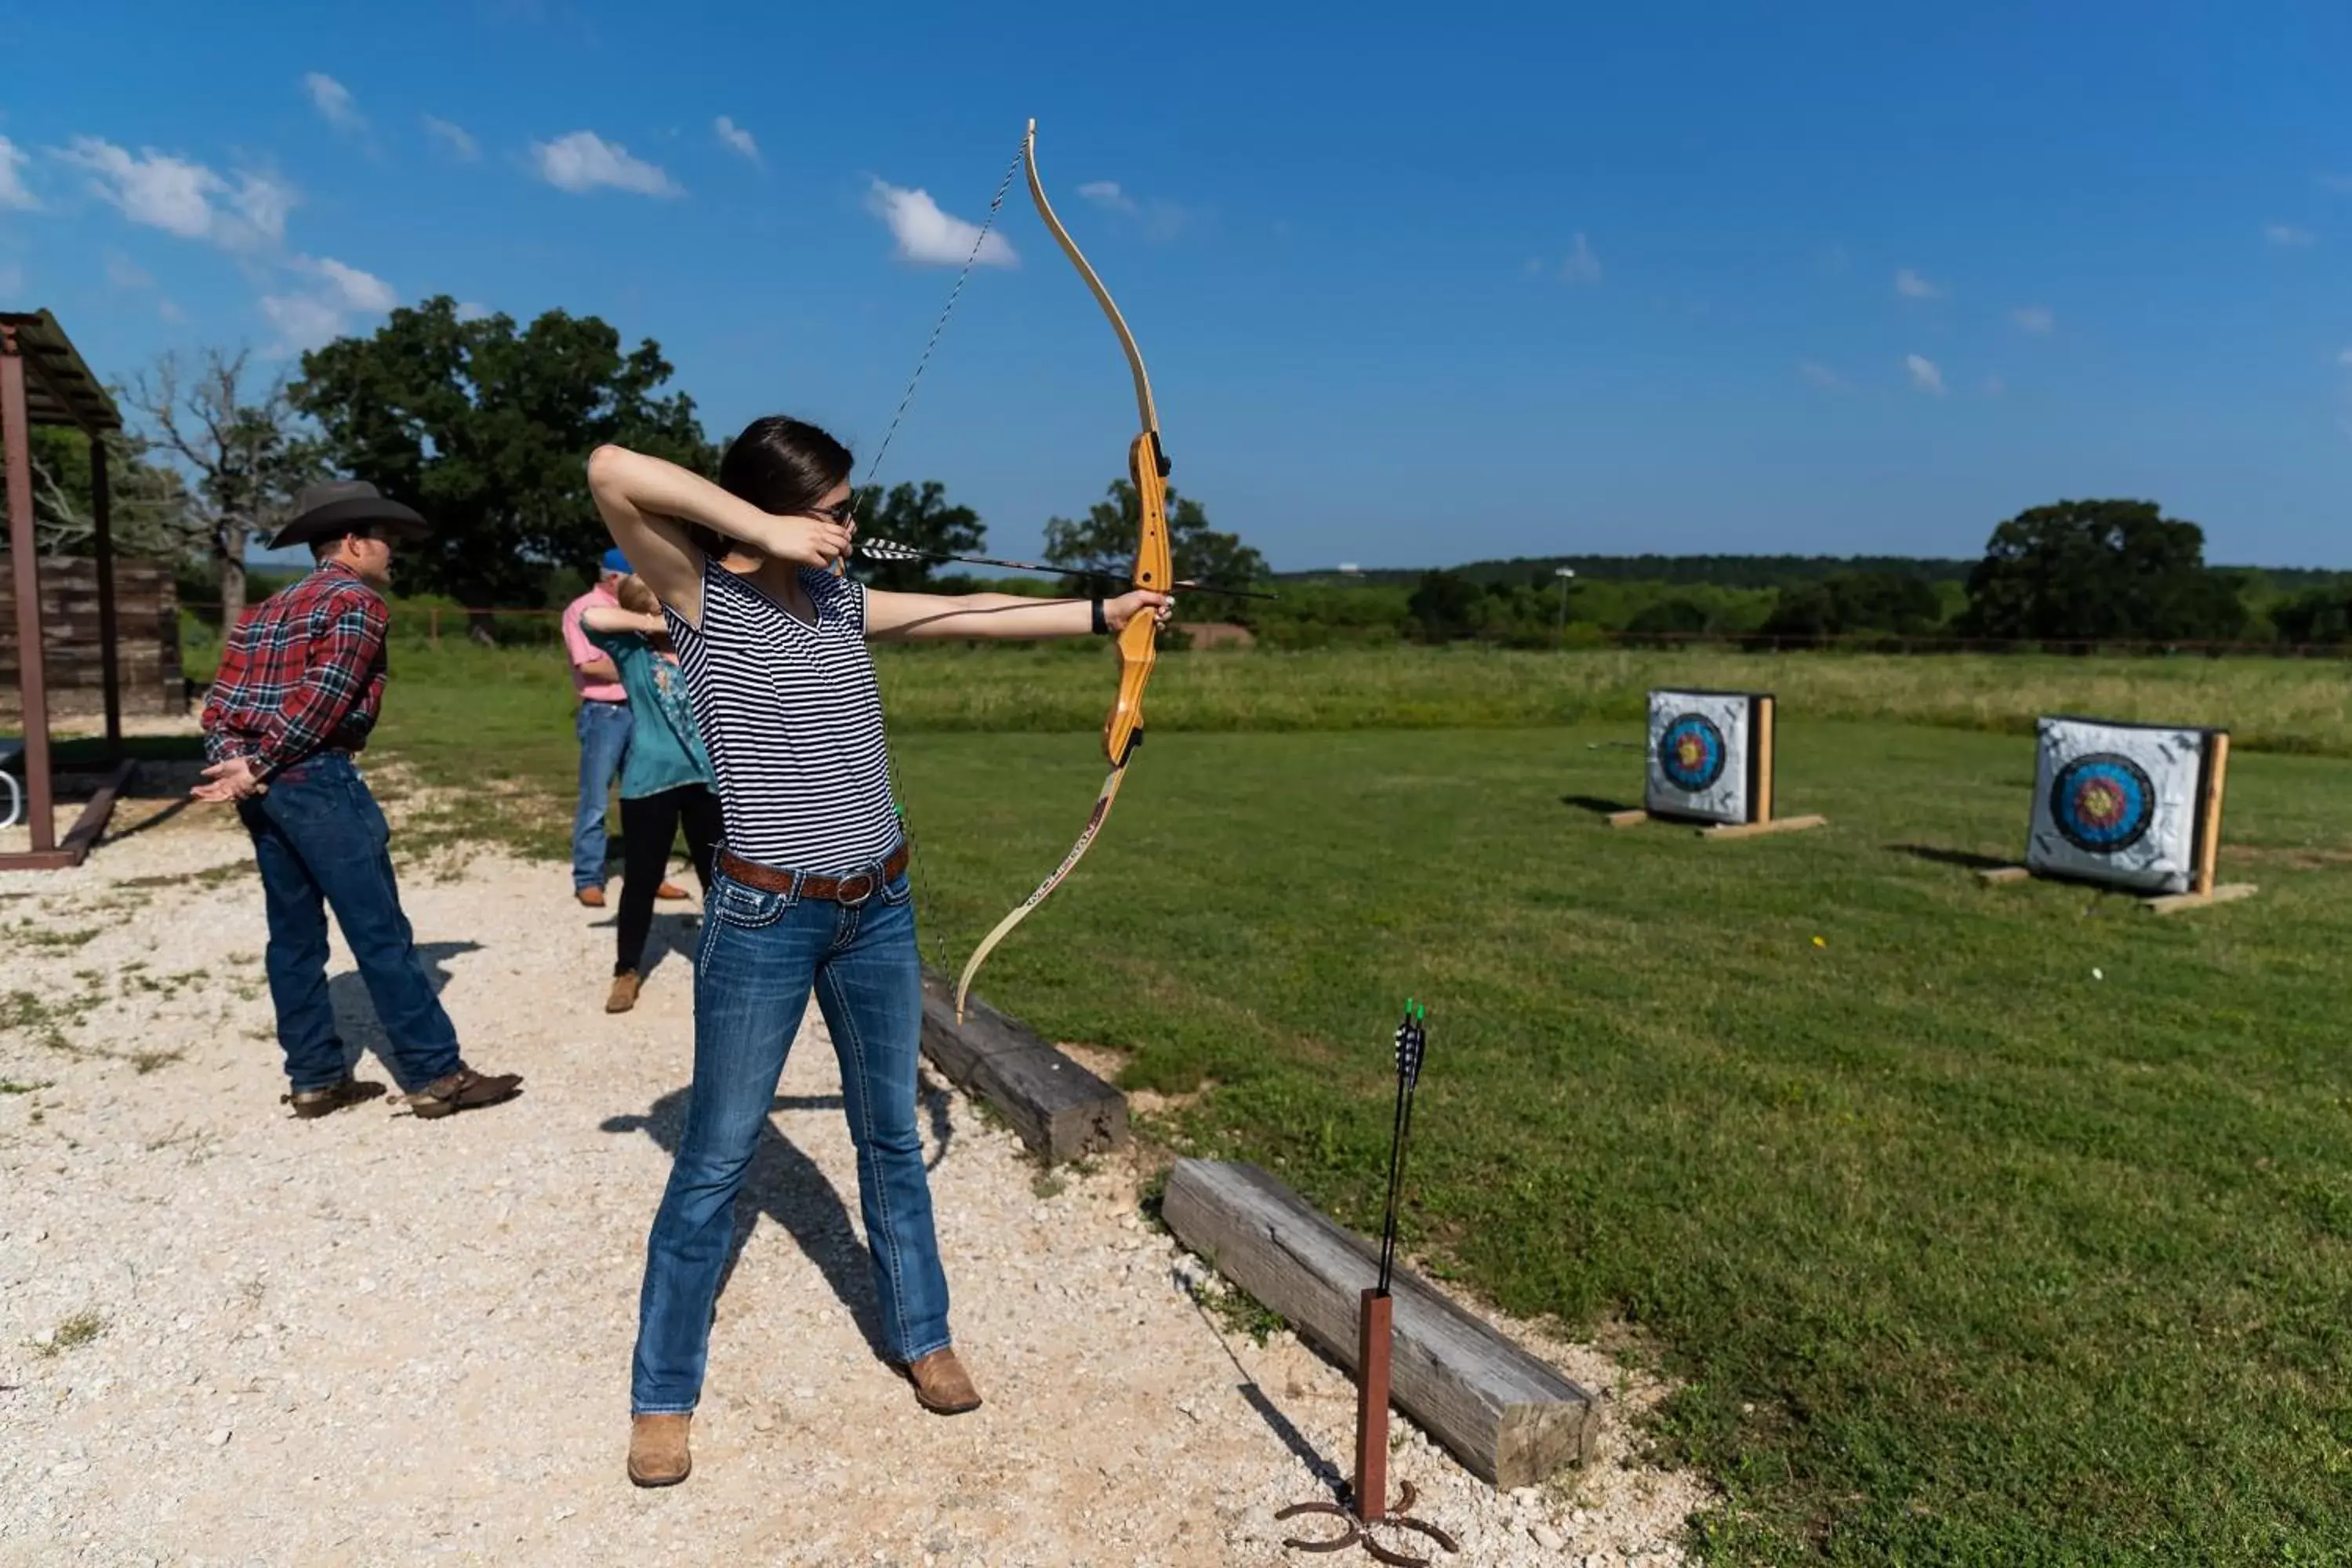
(1139, 647)
(1146, 466)
(1069, 863)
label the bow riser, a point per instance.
(1139, 645)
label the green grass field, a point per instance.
(1981, 1225)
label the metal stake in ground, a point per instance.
(1369, 1503)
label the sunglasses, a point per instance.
(844, 514)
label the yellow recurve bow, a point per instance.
(1147, 464)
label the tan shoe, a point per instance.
(658, 1455)
(941, 1384)
(464, 1089)
(592, 897)
(624, 995)
(669, 892)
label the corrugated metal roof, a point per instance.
(59, 387)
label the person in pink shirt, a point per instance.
(602, 726)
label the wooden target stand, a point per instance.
(2204, 889)
(1763, 821)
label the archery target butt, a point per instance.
(2137, 806)
(1710, 756)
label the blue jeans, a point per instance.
(760, 954)
(604, 731)
(322, 842)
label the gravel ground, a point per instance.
(227, 1337)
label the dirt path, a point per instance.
(229, 1337)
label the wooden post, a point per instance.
(2208, 849)
(433, 612)
(1763, 739)
(15, 438)
(1372, 1341)
(109, 668)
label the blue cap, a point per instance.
(615, 561)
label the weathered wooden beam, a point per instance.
(1769, 825)
(1062, 1112)
(2222, 893)
(1628, 818)
(1992, 876)
(1509, 1417)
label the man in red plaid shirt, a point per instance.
(299, 685)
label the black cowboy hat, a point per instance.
(339, 507)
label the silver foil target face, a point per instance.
(1699, 755)
(2116, 804)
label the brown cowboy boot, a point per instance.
(658, 1454)
(941, 1384)
(624, 995)
(464, 1089)
(314, 1102)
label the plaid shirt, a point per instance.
(302, 672)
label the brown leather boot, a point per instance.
(592, 897)
(658, 1455)
(941, 1384)
(624, 995)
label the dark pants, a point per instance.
(322, 842)
(649, 825)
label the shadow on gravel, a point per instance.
(794, 1191)
(355, 1019)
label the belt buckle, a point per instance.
(866, 883)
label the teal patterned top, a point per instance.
(665, 749)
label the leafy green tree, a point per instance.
(1669, 620)
(918, 517)
(1446, 607)
(487, 431)
(2100, 571)
(149, 512)
(245, 448)
(1851, 604)
(1103, 541)
(2316, 617)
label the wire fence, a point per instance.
(512, 626)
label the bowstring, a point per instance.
(905, 401)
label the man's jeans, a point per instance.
(603, 731)
(321, 842)
(761, 953)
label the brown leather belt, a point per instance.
(852, 890)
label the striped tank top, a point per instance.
(793, 719)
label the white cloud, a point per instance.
(2034, 318)
(185, 198)
(469, 310)
(169, 311)
(734, 135)
(454, 137)
(12, 282)
(333, 101)
(1107, 194)
(301, 321)
(1820, 375)
(584, 161)
(2286, 237)
(2340, 184)
(1924, 374)
(14, 191)
(927, 234)
(1912, 285)
(1581, 266)
(349, 287)
(306, 317)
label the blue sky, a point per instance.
(1416, 284)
